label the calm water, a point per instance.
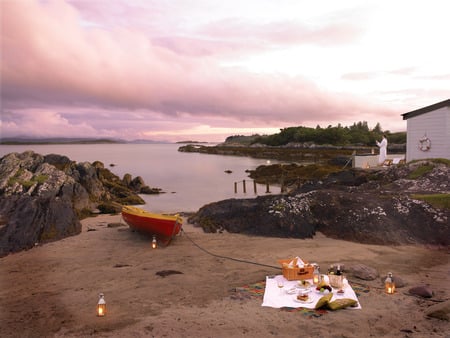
(190, 180)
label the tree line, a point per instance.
(357, 134)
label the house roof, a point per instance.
(426, 109)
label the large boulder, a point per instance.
(31, 220)
(43, 197)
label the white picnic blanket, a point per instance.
(287, 297)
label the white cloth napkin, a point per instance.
(297, 261)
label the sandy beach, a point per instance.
(52, 289)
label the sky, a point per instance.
(203, 70)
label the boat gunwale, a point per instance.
(143, 213)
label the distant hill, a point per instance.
(70, 140)
(356, 134)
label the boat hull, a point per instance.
(163, 226)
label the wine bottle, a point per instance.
(338, 270)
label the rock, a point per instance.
(150, 191)
(137, 183)
(127, 179)
(43, 197)
(440, 310)
(110, 208)
(33, 220)
(245, 216)
(364, 272)
(422, 291)
(365, 206)
(115, 225)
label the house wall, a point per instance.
(436, 126)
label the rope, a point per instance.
(227, 257)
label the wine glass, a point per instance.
(280, 285)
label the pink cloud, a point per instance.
(52, 58)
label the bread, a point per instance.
(303, 298)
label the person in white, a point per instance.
(383, 149)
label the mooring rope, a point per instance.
(227, 257)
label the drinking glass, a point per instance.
(280, 285)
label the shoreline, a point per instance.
(52, 289)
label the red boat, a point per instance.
(164, 227)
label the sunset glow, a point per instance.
(205, 70)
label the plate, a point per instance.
(308, 301)
(291, 291)
(304, 291)
(306, 284)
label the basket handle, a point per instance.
(302, 272)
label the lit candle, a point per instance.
(154, 243)
(101, 305)
(316, 275)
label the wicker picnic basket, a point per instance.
(296, 273)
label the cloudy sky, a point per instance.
(206, 69)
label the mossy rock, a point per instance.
(110, 208)
(131, 200)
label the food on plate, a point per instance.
(304, 283)
(302, 298)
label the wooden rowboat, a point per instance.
(164, 227)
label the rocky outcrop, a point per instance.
(302, 152)
(42, 198)
(377, 207)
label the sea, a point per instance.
(188, 180)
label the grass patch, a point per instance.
(420, 171)
(38, 179)
(441, 161)
(440, 201)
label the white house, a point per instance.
(428, 132)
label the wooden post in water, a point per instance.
(283, 187)
(235, 187)
(243, 185)
(267, 187)
(254, 187)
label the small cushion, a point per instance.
(323, 300)
(341, 303)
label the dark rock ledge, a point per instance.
(407, 204)
(43, 198)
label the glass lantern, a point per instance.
(101, 305)
(389, 284)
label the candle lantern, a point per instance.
(316, 275)
(389, 284)
(154, 243)
(101, 305)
